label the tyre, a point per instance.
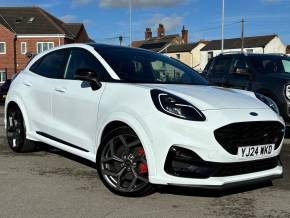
(122, 164)
(16, 131)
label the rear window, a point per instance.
(51, 65)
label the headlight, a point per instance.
(268, 101)
(287, 91)
(175, 106)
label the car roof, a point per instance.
(267, 55)
(251, 55)
(98, 46)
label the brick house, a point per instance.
(26, 31)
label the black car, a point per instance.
(267, 74)
(4, 89)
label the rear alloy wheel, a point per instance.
(16, 131)
(122, 164)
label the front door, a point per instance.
(220, 70)
(75, 104)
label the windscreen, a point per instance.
(140, 66)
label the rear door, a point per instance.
(238, 81)
(219, 70)
(75, 104)
(38, 86)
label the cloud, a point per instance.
(171, 23)
(68, 18)
(140, 3)
(88, 22)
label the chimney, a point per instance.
(148, 33)
(184, 35)
(161, 30)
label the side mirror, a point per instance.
(89, 76)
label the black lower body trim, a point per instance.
(61, 141)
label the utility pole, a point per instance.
(130, 21)
(242, 35)
(223, 25)
(121, 40)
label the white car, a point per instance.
(144, 119)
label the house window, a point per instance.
(43, 46)
(23, 48)
(2, 47)
(178, 56)
(2, 76)
(209, 55)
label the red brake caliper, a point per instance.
(142, 168)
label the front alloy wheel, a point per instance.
(122, 163)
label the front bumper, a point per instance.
(199, 137)
(221, 182)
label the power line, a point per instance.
(121, 37)
(216, 27)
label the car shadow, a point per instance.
(52, 150)
(174, 190)
(212, 193)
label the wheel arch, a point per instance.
(269, 94)
(16, 102)
(138, 127)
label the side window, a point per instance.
(207, 67)
(222, 65)
(82, 59)
(51, 65)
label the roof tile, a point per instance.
(181, 48)
(250, 42)
(18, 20)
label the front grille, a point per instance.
(236, 135)
(233, 169)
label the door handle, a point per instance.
(27, 83)
(60, 89)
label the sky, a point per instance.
(105, 20)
